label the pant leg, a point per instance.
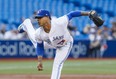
(61, 55)
(28, 27)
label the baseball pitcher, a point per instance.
(53, 34)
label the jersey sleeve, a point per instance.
(37, 36)
(40, 46)
(40, 49)
(74, 14)
(63, 20)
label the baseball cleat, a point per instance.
(21, 28)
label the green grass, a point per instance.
(70, 67)
(90, 67)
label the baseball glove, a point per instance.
(96, 18)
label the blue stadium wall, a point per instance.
(25, 49)
(12, 11)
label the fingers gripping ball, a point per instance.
(40, 67)
(96, 18)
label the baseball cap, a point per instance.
(42, 13)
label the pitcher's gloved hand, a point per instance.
(96, 18)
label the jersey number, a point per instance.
(61, 42)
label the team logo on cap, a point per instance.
(39, 11)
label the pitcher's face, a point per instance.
(42, 21)
(45, 22)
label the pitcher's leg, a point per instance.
(61, 55)
(28, 27)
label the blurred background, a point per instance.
(96, 42)
(93, 52)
